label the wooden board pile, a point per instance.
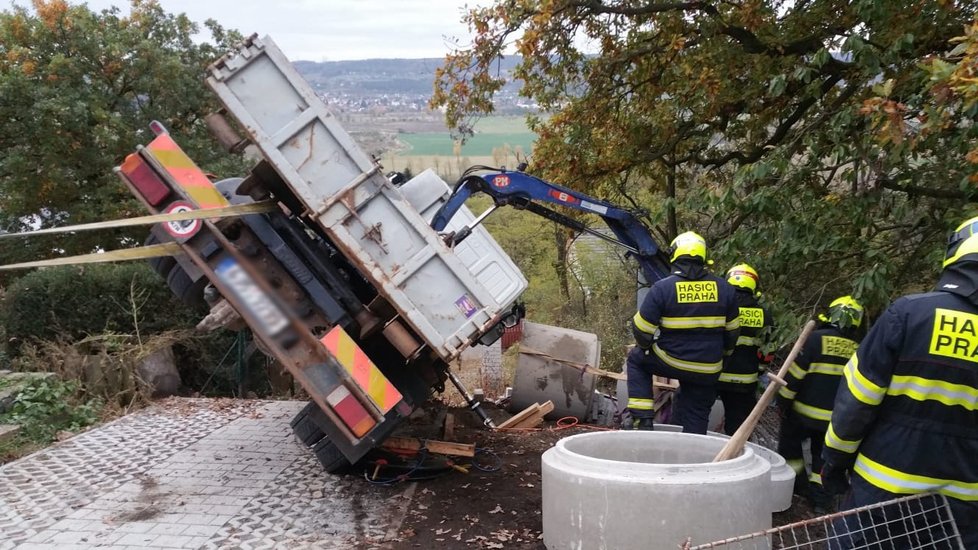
(530, 417)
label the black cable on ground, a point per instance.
(495, 462)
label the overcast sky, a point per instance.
(332, 30)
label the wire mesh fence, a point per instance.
(909, 523)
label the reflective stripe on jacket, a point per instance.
(906, 416)
(813, 379)
(741, 368)
(695, 322)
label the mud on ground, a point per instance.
(482, 509)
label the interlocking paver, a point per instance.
(187, 474)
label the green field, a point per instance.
(490, 133)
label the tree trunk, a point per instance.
(671, 226)
(563, 241)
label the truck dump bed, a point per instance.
(345, 193)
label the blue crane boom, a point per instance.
(527, 192)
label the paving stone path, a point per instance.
(191, 473)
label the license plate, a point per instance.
(269, 316)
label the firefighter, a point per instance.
(684, 327)
(805, 403)
(737, 386)
(905, 419)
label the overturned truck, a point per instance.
(340, 277)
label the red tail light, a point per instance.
(353, 414)
(142, 177)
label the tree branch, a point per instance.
(910, 189)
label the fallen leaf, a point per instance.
(442, 531)
(498, 509)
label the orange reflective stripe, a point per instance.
(185, 172)
(361, 369)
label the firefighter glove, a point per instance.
(835, 479)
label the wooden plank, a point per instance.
(580, 366)
(518, 417)
(449, 432)
(665, 383)
(414, 444)
(537, 417)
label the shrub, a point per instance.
(48, 406)
(69, 303)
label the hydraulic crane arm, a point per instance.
(523, 191)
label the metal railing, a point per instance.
(909, 523)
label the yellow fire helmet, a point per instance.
(844, 312)
(743, 276)
(959, 238)
(689, 244)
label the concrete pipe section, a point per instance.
(782, 476)
(650, 490)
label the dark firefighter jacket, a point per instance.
(741, 368)
(813, 378)
(696, 318)
(906, 416)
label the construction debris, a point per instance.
(413, 445)
(530, 417)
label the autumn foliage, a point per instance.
(829, 143)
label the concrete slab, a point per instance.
(191, 473)
(8, 431)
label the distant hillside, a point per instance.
(378, 76)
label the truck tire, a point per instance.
(331, 458)
(181, 285)
(306, 428)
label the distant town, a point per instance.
(382, 86)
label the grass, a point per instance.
(478, 145)
(491, 133)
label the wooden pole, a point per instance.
(736, 443)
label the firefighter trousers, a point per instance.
(793, 434)
(737, 406)
(691, 408)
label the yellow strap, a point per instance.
(209, 213)
(125, 254)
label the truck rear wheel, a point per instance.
(306, 428)
(186, 290)
(331, 458)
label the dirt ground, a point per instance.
(484, 509)
(501, 508)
